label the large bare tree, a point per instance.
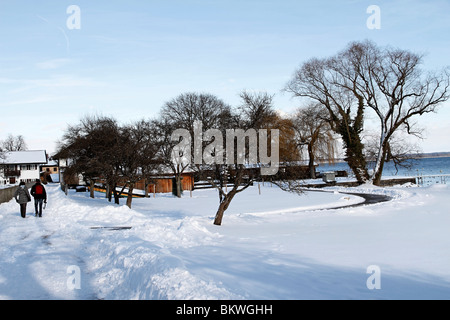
(396, 88)
(321, 81)
(388, 81)
(93, 147)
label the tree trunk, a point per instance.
(146, 188)
(354, 150)
(130, 195)
(378, 172)
(226, 199)
(178, 185)
(116, 194)
(108, 192)
(312, 169)
(224, 205)
(357, 162)
(219, 175)
(91, 188)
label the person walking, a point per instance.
(40, 197)
(22, 197)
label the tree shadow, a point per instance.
(34, 273)
(274, 276)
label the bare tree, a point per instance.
(149, 151)
(101, 150)
(255, 113)
(92, 147)
(313, 132)
(164, 129)
(256, 109)
(182, 113)
(138, 154)
(324, 81)
(14, 143)
(385, 80)
(397, 90)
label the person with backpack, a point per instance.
(22, 197)
(40, 197)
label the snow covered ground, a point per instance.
(275, 245)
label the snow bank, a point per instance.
(275, 245)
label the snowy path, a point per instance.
(36, 253)
(271, 246)
(369, 198)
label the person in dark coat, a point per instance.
(40, 197)
(22, 197)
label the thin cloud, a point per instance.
(60, 29)
(39, 99)
(52, 64)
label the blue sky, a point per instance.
(129, 57)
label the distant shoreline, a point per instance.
(432, 155)
(415, 156)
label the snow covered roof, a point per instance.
(51, 163)
(25, 157)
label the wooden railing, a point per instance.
(430, 179)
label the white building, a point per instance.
(17, 166)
